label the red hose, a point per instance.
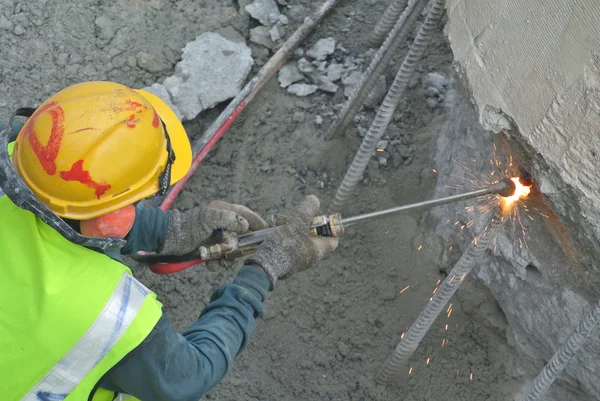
(166, 205)
(170, 268)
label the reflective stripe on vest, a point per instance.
(108, 328)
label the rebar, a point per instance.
(388, 107)
(380, 60)
(390, 16)
(419, 328)
(564, 354)
(206, 142)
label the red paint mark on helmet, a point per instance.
(131, 121)
(47, 154)
(82, 129)
(155, 120)
(77, 173)
(130, 105)
(134, 106)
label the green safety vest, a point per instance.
(67, 313)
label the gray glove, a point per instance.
(290, 249)
(192, 228)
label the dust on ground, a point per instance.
(326, 331)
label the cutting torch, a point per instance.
(230, 246)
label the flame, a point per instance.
(521, 191)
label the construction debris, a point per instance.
(262, 36)
(265, 11)
(289, 74)
(196, 85)
(322, 49)
(302, 89)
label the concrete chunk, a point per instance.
(160, 91)
(302, 89)
(265, 11)
(288, 74)
(322, 49)
(212, 69)
(261, 36)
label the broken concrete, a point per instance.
(322, 49)
(265, 11)
(261, 35)
(160, 91)
(533, 69)
(302, 89)
(289, 74)
(351, 81)
(196, 85)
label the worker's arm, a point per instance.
(172, 366)
(169, 366)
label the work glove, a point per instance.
(190, 229)
(290, 249)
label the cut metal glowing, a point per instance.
(521, 191)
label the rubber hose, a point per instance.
(388, 107)
(564, 354)
(375, 70)
(419, 328)
(387, 21)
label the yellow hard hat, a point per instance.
(96, 147)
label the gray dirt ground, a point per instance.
(326, 331)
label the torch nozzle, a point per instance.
(505, 187)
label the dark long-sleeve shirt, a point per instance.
(173, 366)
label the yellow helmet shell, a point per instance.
(96, 147)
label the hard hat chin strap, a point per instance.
(164, 181)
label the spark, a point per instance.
(434, 170)
(471, 376)
(449, 313)
(446, 327)
(428, 359)
(380, 150)
(430, 299)
(506, 203)
(420, 247)
(449, 308)
(402, 336)
(435, 290)
(410, 370)
(438, 282)
(404, 289)
(450, 249)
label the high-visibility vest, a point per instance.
(67, 313)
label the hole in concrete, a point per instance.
(593, 153)
(532, 272)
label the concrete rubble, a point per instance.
(327, 62)
(289, 74)
(323, 48)
(302, 89)
(261, 35)
(195, 85)
(265, 11)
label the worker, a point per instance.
(74, 324)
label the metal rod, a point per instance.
(207, 141)
(414, 206)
